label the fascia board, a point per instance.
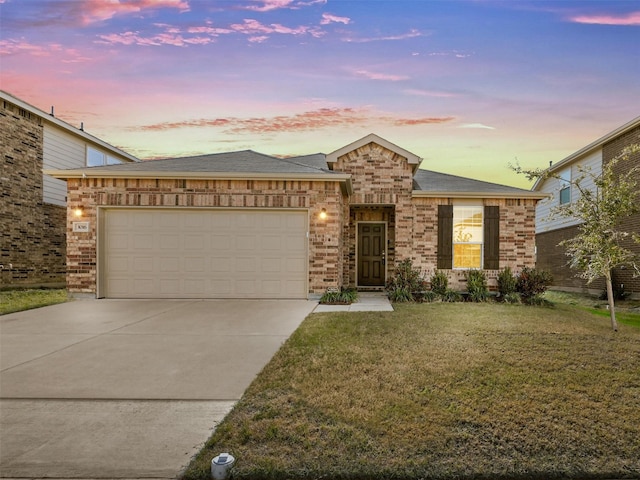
(445, 194)
(102, 173)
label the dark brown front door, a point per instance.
(371, 253)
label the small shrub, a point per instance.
(477, 285)
(429, 296)
(532, 283)
(344, 296)
(513, 297)
(400, 294)
(507, 282)
(407, 283)
(439, 282)
(450, 295)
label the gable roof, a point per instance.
(245, 165)
(427, 183)
(49, 118)
(589, 149)
(244, 161)
(412, 158)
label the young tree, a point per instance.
(598, 247)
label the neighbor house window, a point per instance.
(96, 158)
(565, 187)
(468, 237)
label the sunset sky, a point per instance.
(470, 86)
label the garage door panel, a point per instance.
(143, 264)
(204, 253)
(246, 242)
(143, 287)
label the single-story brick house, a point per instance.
(248, 225)
(33, 206)
(551, 230)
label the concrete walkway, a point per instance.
(367, 302)
(128, 389)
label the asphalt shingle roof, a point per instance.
(429, 181)
(245, 161)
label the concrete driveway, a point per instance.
(128, 388)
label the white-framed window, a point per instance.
(565, 186)
(97, 158)
(468, 233)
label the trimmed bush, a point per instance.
(513, 297)
(532, 283)
(507, 283)
(450, 295)
(344, 296)
(407, 283)
(439, 282)
(477, 285)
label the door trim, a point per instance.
(386, 241)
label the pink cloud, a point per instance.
(171, 36)
(381, 76)
(630, 19)
(100, 10)
(327, 18)
(268, 5)
(254, 27)
(64, 55)
(408, 122)
(310, 120)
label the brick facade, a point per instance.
(326, 245)
(381, 182)
(611, 150)
(517, 237)
(32, 233)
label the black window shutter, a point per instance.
(445, 237)
(491, 238)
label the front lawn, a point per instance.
(441, 391)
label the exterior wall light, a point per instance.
(77, 212)
(323, 214)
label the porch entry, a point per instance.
(371, 254)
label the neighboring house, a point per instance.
(551, 231)
(33, 217)
(248, 225)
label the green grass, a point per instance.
(17, 300)
(441, 391)
(627, 311)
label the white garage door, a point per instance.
(176, 253)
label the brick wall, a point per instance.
(382, 183)
(32, 237)
(517, 237)
(326, 246)
(632, 224)
(553, 258)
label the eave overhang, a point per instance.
(445, 194)
(343, 179)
